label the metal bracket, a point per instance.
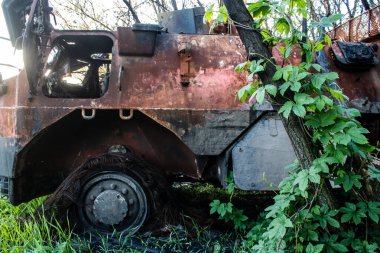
(121, 114)
(184, 52)
(88, 117)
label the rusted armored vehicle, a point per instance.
(132, 108)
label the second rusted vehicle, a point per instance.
(127, 111)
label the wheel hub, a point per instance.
(113, 201)
(110, 207)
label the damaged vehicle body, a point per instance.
(133, 107)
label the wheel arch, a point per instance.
(57, 150)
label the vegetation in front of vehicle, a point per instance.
(299, 221)
(22, 230)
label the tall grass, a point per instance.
(22, 230)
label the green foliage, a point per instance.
(227, 211)
(295, 222)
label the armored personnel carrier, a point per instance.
(121, 113)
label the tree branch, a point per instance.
(133, 12)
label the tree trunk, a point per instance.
(256, 49)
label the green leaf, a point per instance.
(327, 39)
(288, 51)
(302, 76)
(271, 89)
(241, 66)
(319, 103)
(244, 92)
(277, 75)
(331, 76)
(352, 213)
(259, 9)
(314, 248)
(327, 21)
(260, 95)
(319, 46)
(278, 226)
(282, 26)
(317, 80)
(373, 210)
(303, 99)
(321, 165)
(321, 119)
(295, 86)
(352, 112)
(214, 206)
(286, 109)
(284, 87)
(357, 136)
(302, 180)
(374, 173)
(256, 66)
(317, 67)
(333, 222)
(337, 94)
(299, 110)
(327, 100)
(209, 13)
(309, 57)
(342, 138)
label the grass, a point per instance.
(21, 230)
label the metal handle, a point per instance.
(121, 114)
(88, 117)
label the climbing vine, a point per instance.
(343, 157)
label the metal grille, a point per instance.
(4, 186)
(359, 28)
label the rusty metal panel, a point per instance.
(181, 21)
(359, 85)
(205, 132)
(259, 158)
(156, 82)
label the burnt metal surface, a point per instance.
(362, 87)
(69, 142)
(212, 80)
(137, 42)
(259, 158)
(354, 56)
(186, 21)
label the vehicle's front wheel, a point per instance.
(112, 200)
(111, 192)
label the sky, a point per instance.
(8, 54)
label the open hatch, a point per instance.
(74, 64)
